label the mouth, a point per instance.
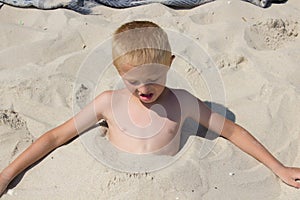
(146, 97)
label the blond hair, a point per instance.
(140, 42)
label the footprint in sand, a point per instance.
(271, 34)
(230, 62)
(14, 136)
(203, 18)
(81, 95)
(12, 119)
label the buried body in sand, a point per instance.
(145, 117)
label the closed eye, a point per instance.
(133, 82)
(153, 80)
(156, 79)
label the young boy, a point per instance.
(146, 116)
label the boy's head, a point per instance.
(140, 42)
(142, 55)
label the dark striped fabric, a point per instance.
(84, 6)
(171, 3)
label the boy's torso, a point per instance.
(152, 128)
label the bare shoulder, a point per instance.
(190, 104)
(179, 91)
(104, 96)
(108, 95)
(103, 102)
(188, 101)
(183, 95)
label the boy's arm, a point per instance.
(245, 141)
(42, 146)
(53, 139)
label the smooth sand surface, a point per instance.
(254, 68)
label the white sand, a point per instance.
(256, 51)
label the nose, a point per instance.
(144, 88)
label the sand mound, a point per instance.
(271, 33)
(14, 136)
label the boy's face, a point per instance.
(147, 82)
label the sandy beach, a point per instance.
(229, 53)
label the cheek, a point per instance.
(161, 81)
(130, 87)
(159, 88)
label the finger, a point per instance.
(295, 174)
(297, 183)
(294, 183)
(3, 190)
(1, 193)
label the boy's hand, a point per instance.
(3, 183)
(290, 176)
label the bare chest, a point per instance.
(139, 130)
